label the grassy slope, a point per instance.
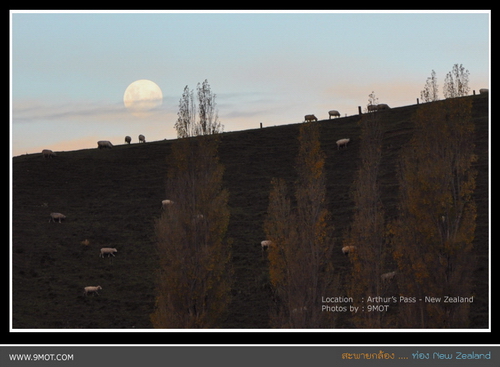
(112, 197)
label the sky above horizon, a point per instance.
(69, 71)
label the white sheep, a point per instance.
(128, 139)
(265, 244)
(383, 106)
(104, 144)
(58, 216)
(342, 143)
(333, 113)
(107, 251)
(142, 138)
(47, 153)
(310, 118)
(388, 276)
(92, 289)
(483, 91)
(346, 250)
(166, 203)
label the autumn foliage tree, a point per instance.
(367, 233)
(301, 234)
(433, 235)
(195, 275)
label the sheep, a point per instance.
(342, 143)
(142, 139)
(372, 108)
(107, 251)
(333, 113)
(388, 276)
(166, 203)
(104, 144)
(310, 118)
(348, 249)
(483, 91)
(128, 139)
(47, 153)
(58, 216)
(92, 289)
(85, 242)
(265, 244)
(383, 106)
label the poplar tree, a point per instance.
(207, 110)
(208, 123)
(456, 83)
(186, 116)
(195, 275)
(300, 255)
(430, 91)
(367, 232)
(433, 235)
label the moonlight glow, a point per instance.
(142, 96)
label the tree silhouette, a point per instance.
(299, 258)
(456, 83)
(208, 121)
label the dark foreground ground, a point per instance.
(112, 198)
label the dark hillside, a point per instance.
(112, 198)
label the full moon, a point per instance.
(142, 96)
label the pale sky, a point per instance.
(69, 71)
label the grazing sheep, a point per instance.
(483, 91)
(47, 153)
(104, 144)
(128, 139)
(166, 203)
(388, 276)
(342, 143)
(333, 113)
(142, 139)
(310, 118)
(107, 251)
(383, 106)
(58, 216)
(265, 244)
(348, 249)
(92, 289)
